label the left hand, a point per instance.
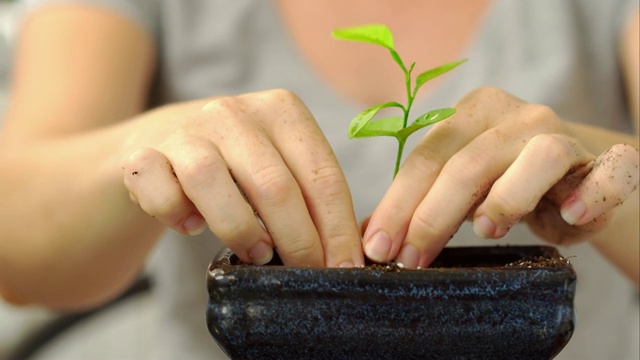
(497, 161)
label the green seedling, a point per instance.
(363, 124)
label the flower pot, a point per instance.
(472, 303)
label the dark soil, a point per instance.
(534, 262)
(539, 262)
(530, 262)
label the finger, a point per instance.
(315, 168)
(152, 184)
(543, 162)
(546, 222)
(388, 225)
(465, 178)
(267, 181)
(614, 176)
(364, 224)
(206, 180)
(480, 110)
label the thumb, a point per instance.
(612, 179)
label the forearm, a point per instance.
(72, 237)
(620, 240)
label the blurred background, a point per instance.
(120, 330)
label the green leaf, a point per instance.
(364, 117)
(398, 60)
(389, 126)
(427, 119)
(375, 34)
(435, 72)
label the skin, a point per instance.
(100, 233)
(90, 180)
(521, 177)
(174, 179)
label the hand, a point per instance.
(258, 171)
(497, 161)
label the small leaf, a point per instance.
(435, 72)
(389, 126)
(413, 64)
(396, 58)
(375, 34)
(364, 117)
(427, 119)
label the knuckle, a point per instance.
(236, 231)
(225, 103)
(484, 93)
(505, 204)
(554, 148)
(488, 91)
(274, 185)
(223, 111)
(168, 209)
(286, 109)
(426, 225)
(423, 162)
(299, 250)
(137, 162)
(197, 168)
(168, 203)
(281, 95)
(328, 180)
(540, 111)
(538, 115)
(139, 157)
(432, 234)
(467, 169)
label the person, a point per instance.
(132, 125)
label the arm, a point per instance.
(562, 179)
(74, 154)
(58, 126)
(630, 59)
(620, 242)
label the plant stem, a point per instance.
(407, 81)
(405, 120)
(399, 156)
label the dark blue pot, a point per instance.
(473, 303)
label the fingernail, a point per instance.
(484, 227)
(408, 257)
(346, 264)
(194, 225)
(378, 247)
(261, 254)
(573, 211)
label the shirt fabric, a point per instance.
(560, 53)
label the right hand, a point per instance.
(238, 161)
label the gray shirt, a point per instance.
(561, 53)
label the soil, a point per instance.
(531, 262)
(539, 262)
(534, 262)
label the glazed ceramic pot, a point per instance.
(472, 303)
